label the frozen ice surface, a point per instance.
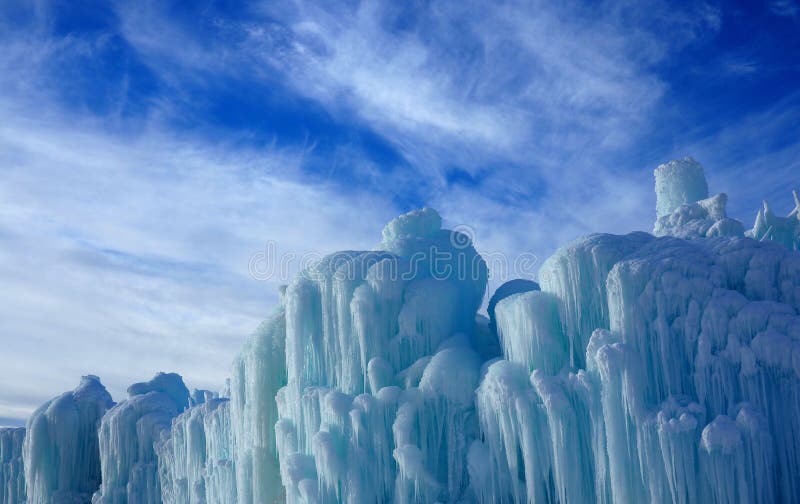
(61, 453)
(12, 471)
(128, 435)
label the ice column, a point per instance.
(678, 183)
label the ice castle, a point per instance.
(639, 368)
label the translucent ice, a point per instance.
(62, 458)
(128, 434)
(12, 471)
(258, 372)
(195, 457)
(679, 182)
(361, 325)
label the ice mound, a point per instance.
(62, 458)
(128, 433)
(12, 470)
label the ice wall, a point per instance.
(640, 368)
(62, 458)
(692, 384)
(195, 457)
(12, 471)
(382, 353)
(257, 374)
(128, 434)
(687, 388)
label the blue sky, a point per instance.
(149, 149)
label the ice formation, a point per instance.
(640, 368)
(383, 357)
(257, 374)
(12, 471)
(784, 230)
(195, 456)
(62, 458)
(683, 207)
(128, 435)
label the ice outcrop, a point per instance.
(128, 434)
(683, 208)
(784, 230)
(12, 470)
(62, 458)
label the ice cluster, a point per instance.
(640, 368)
